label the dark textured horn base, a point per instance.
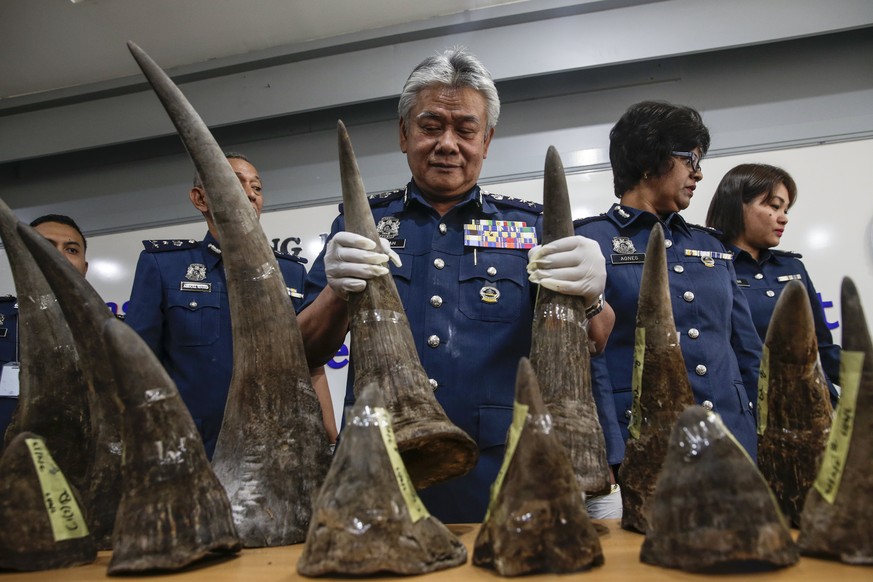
(537, 521)
(32, 545)
(712, 509)
(362, 523)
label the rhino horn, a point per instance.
(433, 448)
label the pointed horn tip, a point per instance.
(527, 386)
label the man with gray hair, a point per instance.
(470, 306)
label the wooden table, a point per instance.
(621, 550)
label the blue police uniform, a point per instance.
(469, 347)
(762, 282)
(8, 353)
(721, 348)
(179, 306)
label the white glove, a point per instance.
(351, 259)
(572, 265)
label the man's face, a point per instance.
(446, 141)
(248, 178)
(251, 182)
(68, 241)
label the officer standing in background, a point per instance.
(470, 307)
(66, 236)
(179, 306)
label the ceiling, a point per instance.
(59, 44)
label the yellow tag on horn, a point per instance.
(833, 461)
(64, 513)
(519, 417)
(417, 510)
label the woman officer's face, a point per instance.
(672, 192)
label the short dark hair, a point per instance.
(198, 183)
(641, 141)
(61, 219)
(740, 186)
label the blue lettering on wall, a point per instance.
(825, 305)
(340, 360)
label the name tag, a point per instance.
(292, 292)
(9, 380)
(786, 278)
(397, 243)
(621, 259)
(3, 331)
(195, 286)
(743, 283)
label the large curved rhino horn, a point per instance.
(660, 384)
(172, 499)
(794, 407)
(86, 312)
(559, 349)
(433, 448)
(838, 511)
(54, 394)
(272, 452)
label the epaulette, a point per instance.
(290, 257)
(7, 298)
(381, 198)
(707, 229)
(511, 202)
(580, 221)
(159, 246)
(791, 254)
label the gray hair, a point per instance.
(198, 183)
(454, 68)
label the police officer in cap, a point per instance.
(179, 306)
(66, 236)
(469, 300)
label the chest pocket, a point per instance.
(194, 319)
(495, 288)
(403, 277)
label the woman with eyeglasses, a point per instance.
(655, 151)
(750, 208)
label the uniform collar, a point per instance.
(766, 255)
(626, 215)
(474, 196)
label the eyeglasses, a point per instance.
(693, 159)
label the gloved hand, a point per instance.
(351, 259)
(572, 265)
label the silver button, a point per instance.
(700, 370)
(688, 296)
(439, 263)
(491, 271)
(436, 301)
(443, 228)
(751, 406)
(433, 341)
(193, 304)
(707, 404)
(770, 293)
(433, 383)
(628, 413)
(679, 268)
(693, 333)
(759, 276)
(668, 243)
